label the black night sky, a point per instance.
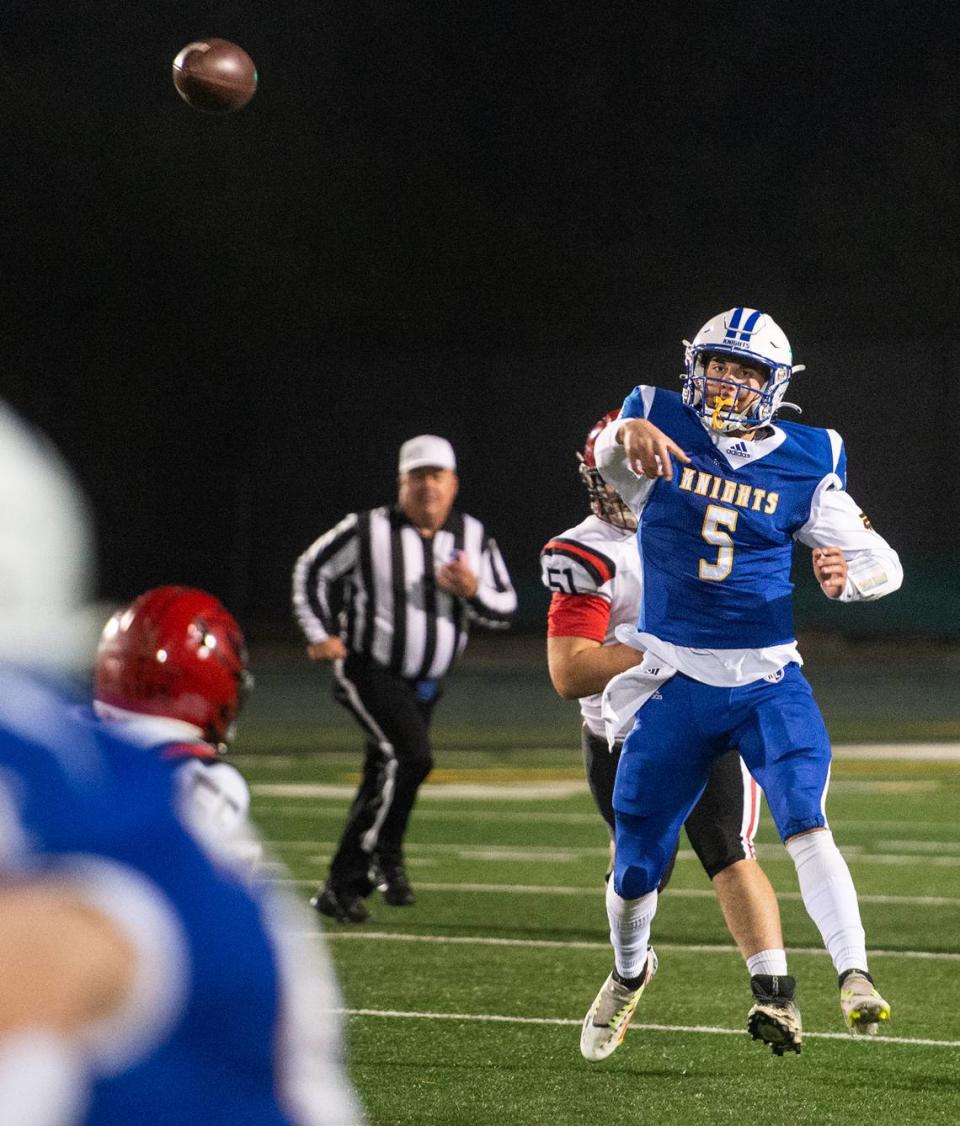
(484, 220)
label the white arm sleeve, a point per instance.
(873, 567)
(612, 463)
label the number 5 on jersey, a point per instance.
(714, 520)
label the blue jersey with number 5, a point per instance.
(716, 542)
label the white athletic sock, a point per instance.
(773, 962)
(630, 921)
(830, 898)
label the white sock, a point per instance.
(630, 921)
(830, 898)
(773, 962)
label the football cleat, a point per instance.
(774, 1017)
(343, 906)
(862, 1006)
(606, 1023)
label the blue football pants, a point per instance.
(667, 757)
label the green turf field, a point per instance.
(466, 1007)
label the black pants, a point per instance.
(395, 714)
(719, 825)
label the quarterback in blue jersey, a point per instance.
(143, 979)
(722, 489)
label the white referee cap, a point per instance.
(426, 449)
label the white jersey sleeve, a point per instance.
(568, 565)
(213, 800)
(612, 463)
(836, 520)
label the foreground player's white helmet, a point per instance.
(743, 334)
(46, 551)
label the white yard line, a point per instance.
(635, 1027)
(356, 934)
(553, 817)
(547, 789)
(924, 846)
(460, 791)
(898, 752)
(674, 893)
(319, 852)
(850, 752)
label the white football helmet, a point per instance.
(46, 554)
(742, 334)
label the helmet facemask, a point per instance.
(724, 416)
(749, 338)
(605, 502)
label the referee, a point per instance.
(388, 596)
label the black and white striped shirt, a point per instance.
(372, 580)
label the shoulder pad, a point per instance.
(571, 567)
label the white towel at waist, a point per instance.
(626, 694)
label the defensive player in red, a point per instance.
(171, 671)
(144, 979)
(594, 572)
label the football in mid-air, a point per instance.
(214, 75)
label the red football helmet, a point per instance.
(175, 651)
(605, 502)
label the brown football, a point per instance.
(214, 75)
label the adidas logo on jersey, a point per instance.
(739, 449)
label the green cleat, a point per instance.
(862, 1006)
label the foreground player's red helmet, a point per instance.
(605, 501)
(175, 651)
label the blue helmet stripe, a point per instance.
(734, 329)
(734, 323)
(751, 324)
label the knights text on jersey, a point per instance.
(716, 541)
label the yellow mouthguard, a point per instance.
(717, 408)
